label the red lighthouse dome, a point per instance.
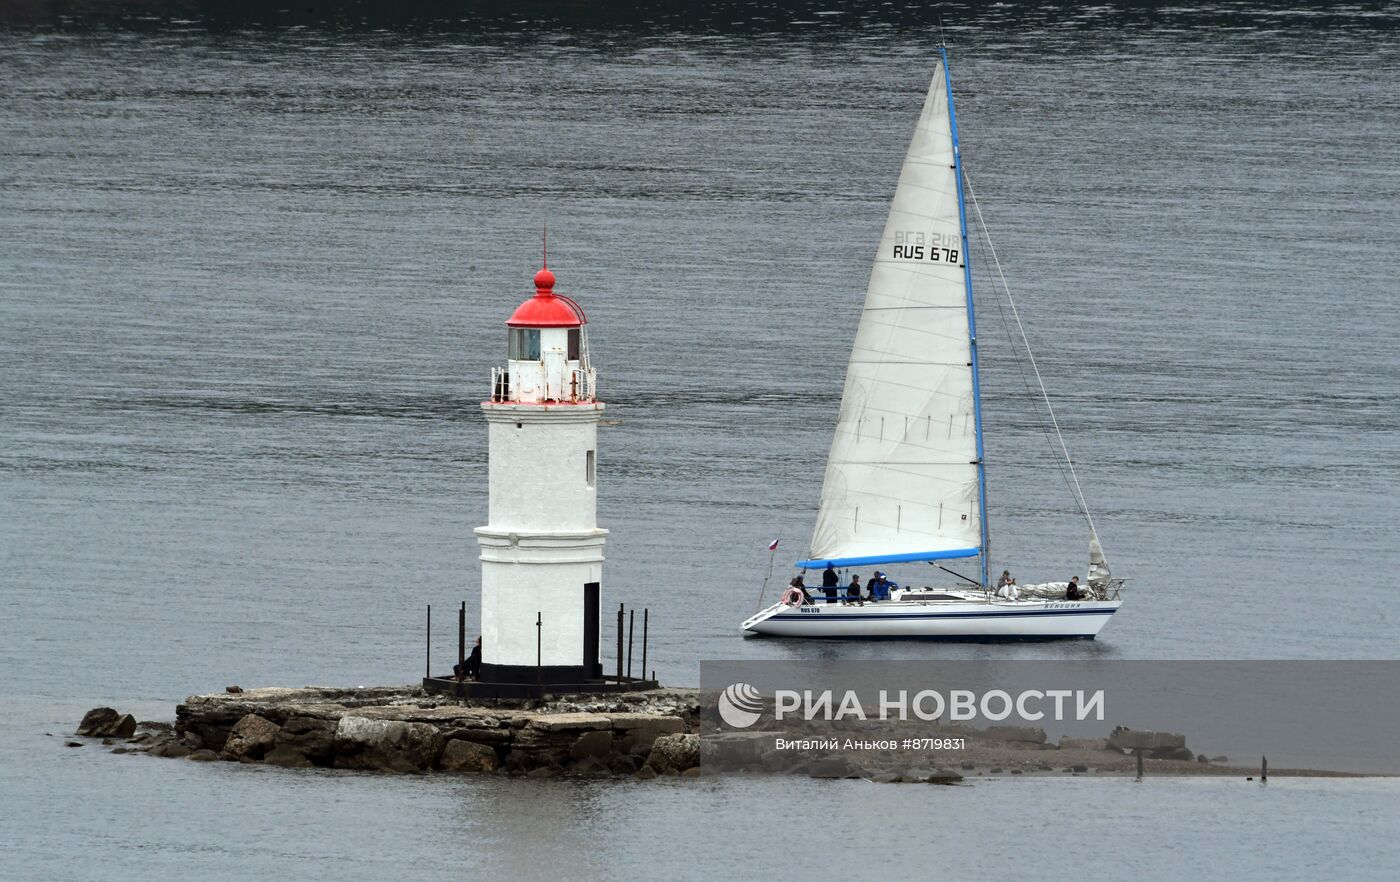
(547, 309)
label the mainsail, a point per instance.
(903, 479)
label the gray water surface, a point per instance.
(253, 280)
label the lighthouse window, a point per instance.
(573, 344)
(590, 467)
(524, 344)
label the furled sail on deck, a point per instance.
(902, 477)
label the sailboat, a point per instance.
(906, 482)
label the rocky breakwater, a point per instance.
(404, 729)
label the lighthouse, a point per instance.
(542, 548)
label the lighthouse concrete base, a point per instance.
(450, 686)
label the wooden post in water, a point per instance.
(539, 646)
(619, 641)
(428, 645)
(631, 627)
(646, 615)
(1138, 751)
(1264, 770)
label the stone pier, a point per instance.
(405, 729)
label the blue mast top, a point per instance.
(971, 317)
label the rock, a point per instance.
(252, 737)
(673, 754)
(625, 764)
(1079, 768)
(646, 773)
(97, 719)
(833, 767)
(193, 741)
(481, 735)
(1220, 759)
(124, 750)
(170, 749)
(543, 772)
(590, 765)
(692, 772)
(1134, 739)
(944, 776)
(105, 722)
(735, 750)
(886, 778)
(468, 756)
(287, 756)
(995, 770)
(592, 744)
(1202, 759)
(311, 737)
(233, 689)
(204, 755)
(636, 733)
(570, 722)
(1068, 743)
(1172, 753)
(73, 744)
(1024, 734)
(155, 726)
(386, 745)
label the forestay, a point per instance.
(902, 478)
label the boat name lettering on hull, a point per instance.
(1063, 605)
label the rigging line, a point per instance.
(1049, 407)
(1025, 381)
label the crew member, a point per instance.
(1074, 592)
(830, 582)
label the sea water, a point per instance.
(254, 270)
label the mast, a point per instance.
(971, 319)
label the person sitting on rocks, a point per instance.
(471, 667)
(1074, 592)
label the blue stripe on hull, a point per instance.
(942, 638)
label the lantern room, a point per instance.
(547, 360)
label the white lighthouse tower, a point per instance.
(542, 550)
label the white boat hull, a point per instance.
(941, 620)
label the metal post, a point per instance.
(428, 645)
(646, 615)
(631, 627)
(539, 646)
(462, 634)
(619, 641)
(1264, 771)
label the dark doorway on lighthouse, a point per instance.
(592, 594)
